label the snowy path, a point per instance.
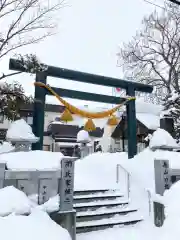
(137, 232)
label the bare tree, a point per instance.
(153, 55)
(25, 22)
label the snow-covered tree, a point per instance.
(171, 105)
(31, 63)
(153, 54)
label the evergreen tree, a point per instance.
(171, 105)
(12, 96)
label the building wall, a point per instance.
(116, 145)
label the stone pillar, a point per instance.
(84, 150)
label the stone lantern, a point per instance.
(83, 138)
(21, 136)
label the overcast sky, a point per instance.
(89, 34)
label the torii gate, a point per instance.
(40, 93)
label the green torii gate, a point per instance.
(40, 93)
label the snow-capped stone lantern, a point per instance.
(83, 138)
(21, 136)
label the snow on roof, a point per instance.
(144, 107)
(61, 144)
(79, 121)
(33, 160)
(150, 121)
(148, 114)
(20, 130)
(161, 139)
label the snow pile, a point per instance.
(162, 138)
(14, 204)
(13, 201)
(98, 171)
(83, 136)
(171, 201)
(52, 205)
(172, 211)
(20, 130)
(6, 147)
(33, 160)
(37, 225)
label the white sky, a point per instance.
(89, 34)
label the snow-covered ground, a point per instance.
(96, 171)
(32, 160)
(37, 225)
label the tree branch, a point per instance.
(9, 75)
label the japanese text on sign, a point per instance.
(68, 181)
(67, 184)
(165, 166)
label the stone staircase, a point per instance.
(101, 209)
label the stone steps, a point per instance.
(103, 214)
(101, 209)
(104, 224)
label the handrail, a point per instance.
(128, 177)
(128, 185)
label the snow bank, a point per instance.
(36, 226)
(172, 211)
(97, 171)
(51, 205)
(33, 160)
(20, 130)
(13, 201)
(171, 201)
(162, 138)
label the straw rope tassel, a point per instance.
(66, 116)
(85, 114)
(89, 126)
(113, 121)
